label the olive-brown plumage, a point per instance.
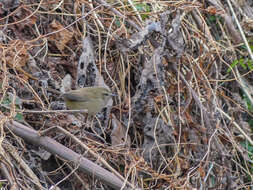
(91, 98)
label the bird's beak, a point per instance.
(111, 94)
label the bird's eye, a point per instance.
(108, 94)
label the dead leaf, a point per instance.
(202, 171)
(214, 11)
(118, 134)
(60, 38)
(16, 56)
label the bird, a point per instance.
(91, 98)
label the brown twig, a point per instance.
(45, 112)
(56, 148)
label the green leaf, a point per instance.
(250, 64)
(19, 117)
(6, 101)
(144, 16)
(232, 65)
(251, 47)
(212, 18)
(244, 47)
(143, 8)
(117, 22)
(244, 63)
(248, 103)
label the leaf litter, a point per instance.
(179, 120)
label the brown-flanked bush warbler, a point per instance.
(91, 98)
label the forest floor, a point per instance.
(181, 71)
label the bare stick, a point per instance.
(56, 148)
(47, 111)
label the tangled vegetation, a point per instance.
(182, 75)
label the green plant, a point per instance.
(244, 63)
(245, 143)
(7, 100)
(143, 8)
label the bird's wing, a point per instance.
(73, 96)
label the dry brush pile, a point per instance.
(182, 73)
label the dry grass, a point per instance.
(183, 109)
